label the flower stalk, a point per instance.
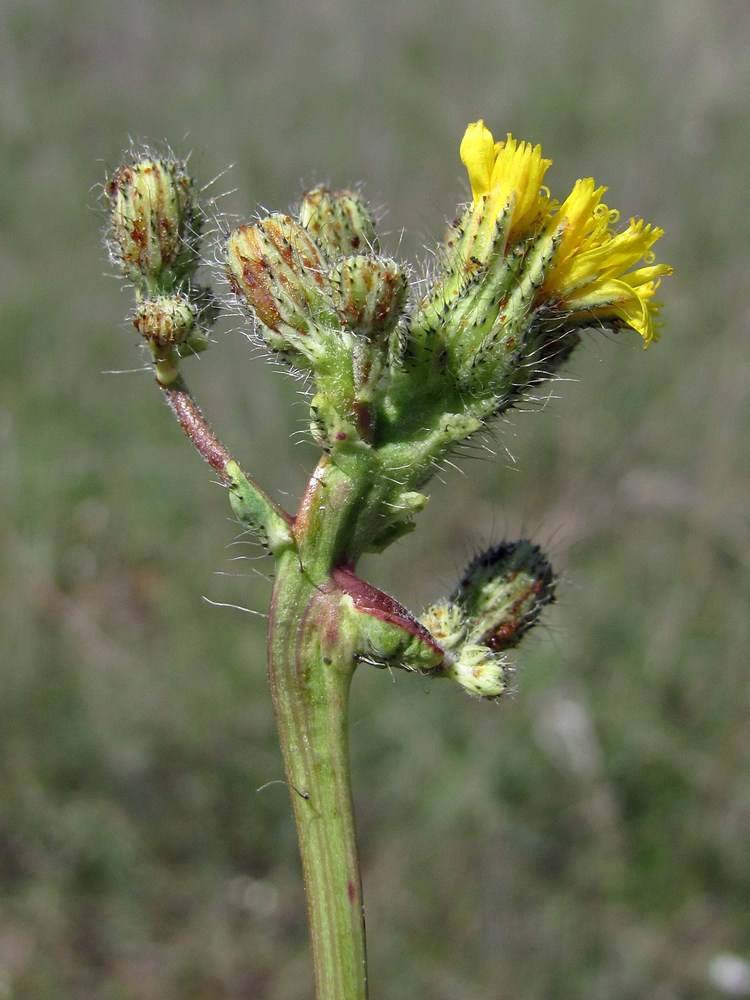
(399, 381)
(311, 662)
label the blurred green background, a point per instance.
(588, 838)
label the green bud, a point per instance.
(277, 268)
(368, 294)
(176, 321)
(166, 320)
(155, 223)
(497, 601)
(174, 327)
(464, 302)
(339, 221)
(483, 313)
(502, 593)
(445, 623)
(479, 671)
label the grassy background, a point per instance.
(588, 838)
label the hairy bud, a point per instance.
(497, 601)
(173, 321)
(502, 593)
(479, 671)
(155, 223)
(277, 268)
(368, 294)
(166, 320)
(339, 221)
(445, 623)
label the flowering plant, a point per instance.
(399, 381)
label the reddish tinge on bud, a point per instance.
(277, 268)
(155, 223)
(502, 593)
(368, 294)
(339, 221)
(166, 320)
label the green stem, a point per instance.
(311, 660)
(311, 663)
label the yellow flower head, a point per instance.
(506, 174)
(593, 270)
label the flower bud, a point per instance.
(339, 221)
(278, 269)
(445, 623)
(368, 294)
(174, 321)
(155, 223)
(479, 671)
(502, 593)
(166, 320)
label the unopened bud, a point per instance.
(174, 321)
(479, 671)
(155, 223)
(339, 221)
(445, 623)
(368, 294)
(166, 320)
(502, 593)
(278, 269)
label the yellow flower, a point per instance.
(506, 175)
(592, 271)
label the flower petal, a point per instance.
(478, 156)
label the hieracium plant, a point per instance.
(398, 378)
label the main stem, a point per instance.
(311, 658)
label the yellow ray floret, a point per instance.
(590, 270)
(506, 174)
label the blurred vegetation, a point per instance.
(588, 838)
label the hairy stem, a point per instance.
(208, 445)
(311, 663)
(195, 425)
